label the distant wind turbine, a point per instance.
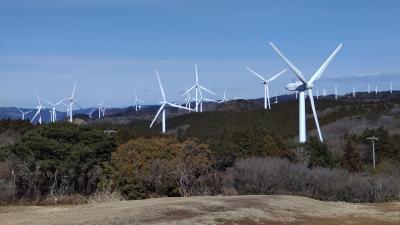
(71, 101)
(39, 108)
(267, 104)
(53, 112)
(197, 88)
(23, 113)
(164, 104)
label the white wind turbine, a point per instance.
(23, 113)
(71, 103)
(197, 88)
(101, 109)
(224, 98)
(39, 108)
(391, 87)
(302, 86)
(90, 113)
(164, 104)
(354, 92)
(53, 112)
(188, 99)
(267, 103)
(369, 89)
(203, 99)
(137, 103)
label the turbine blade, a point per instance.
(258, 75)
(48, 102)
(19, 110)
(177, 106)
(296, 71)
(73, 91)
(201, 87)
(188, 90)
(277, 75)
(197, 77)
(311, 97)
(158, 113)
(59, 102)
(319, 72)
(161, 87)
(37, 113)
(37, 95)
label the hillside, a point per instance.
(277, 210)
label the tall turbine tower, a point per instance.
(335, 92)
(53, 112)
(197, 88)
(391, 87)
(164, 104)
(71, 103)
(39, 108)
(306, 85)
(267, 104)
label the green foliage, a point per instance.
(64, 154)
(318, 152)
(160, 166)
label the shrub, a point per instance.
(279, 176)
(160, 166)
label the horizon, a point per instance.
(111, 48)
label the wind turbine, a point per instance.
(391, 87)
(305, 85)
(203, 99)
(164, 104)
(53, 112)
(376, 89)
(369, 89)
(71, 103)
(354, 92)
(317, 93)
(197, 88)
(267, 103)
(137, 101)
(90, 113)
(224, 98)
(39, 108)
(100, 108)
(23, 113)
(188, 99)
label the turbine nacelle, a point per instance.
(295, 86)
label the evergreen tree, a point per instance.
(318, 152)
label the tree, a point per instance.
(60, 156)
(351, 159)
(158, 166)
(318, 152)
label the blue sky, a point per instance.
(112, 47)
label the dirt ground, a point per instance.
(246, 210)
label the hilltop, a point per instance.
(242, 210)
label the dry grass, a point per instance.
(208, 210)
